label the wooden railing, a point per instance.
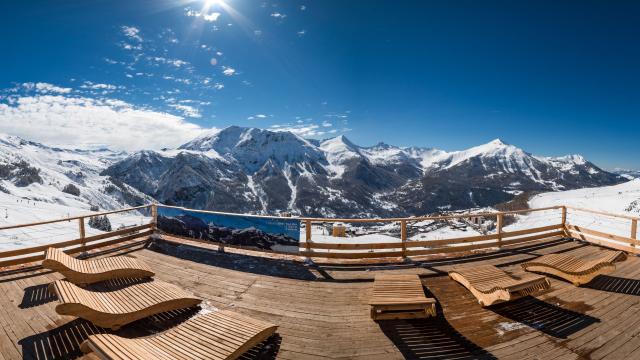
(599, 237)
(348, 249)
(407, 248)
(81, 243)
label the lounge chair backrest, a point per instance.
(91, 271)
(69, 261)
(115, 308)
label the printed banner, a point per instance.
(277, 234)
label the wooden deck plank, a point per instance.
(330, 318)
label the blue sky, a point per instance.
(551, 77)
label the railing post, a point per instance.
(154, 216)
(82, 233)
(403, 237)
(634, 230)
(564, 221)
(500, 221)
(307, 226)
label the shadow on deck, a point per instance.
(37, 295)
(233, 261)
(543, 316)
(431, 339)
(615, 284)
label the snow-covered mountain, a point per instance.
(627, 173)
(71, 179)
(261, 171)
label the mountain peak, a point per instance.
(497, 142)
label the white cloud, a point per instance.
(305, 130)
(302, 32)
(228, 70)
(162, 60)
(278, 15)
(85, 122)
(303, 8)
(127, 46)
(132, 32)
(258, 116)
(218, 86)
(211, 17)
(177, 79)
(188, 111)
(94, 86)
(45, 88)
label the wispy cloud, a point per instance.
(132, 32)
(228, 71)
(87, 122)
(302, 33)
(93, 86)
(187, 110)
(278, 15)
(44, 88)
(163, 60)
(258, 116)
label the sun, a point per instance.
(209, 3)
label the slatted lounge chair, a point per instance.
(113, 309)
(575, 269)
(91, 271)
(400, 297)
(219, 335)
(491, 285)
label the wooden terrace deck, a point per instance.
(322, 311)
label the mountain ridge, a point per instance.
(261, 171)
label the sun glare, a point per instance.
(209, 3)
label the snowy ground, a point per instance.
(16, 210)
(621, 199)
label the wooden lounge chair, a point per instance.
(219, 335)
(575, 269)
(91, 271)
(491, 285)
(113, 309)
(400, 297)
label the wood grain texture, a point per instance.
(491, 285)
(574, 269)
(91, 271)
(218, 335)
(400, 297)
(116, 308)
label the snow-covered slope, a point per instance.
(34, 172)
(622, 198)
(33, 178)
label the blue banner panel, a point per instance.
(265, 233)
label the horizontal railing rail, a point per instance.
(81, 243)
(557, 226)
